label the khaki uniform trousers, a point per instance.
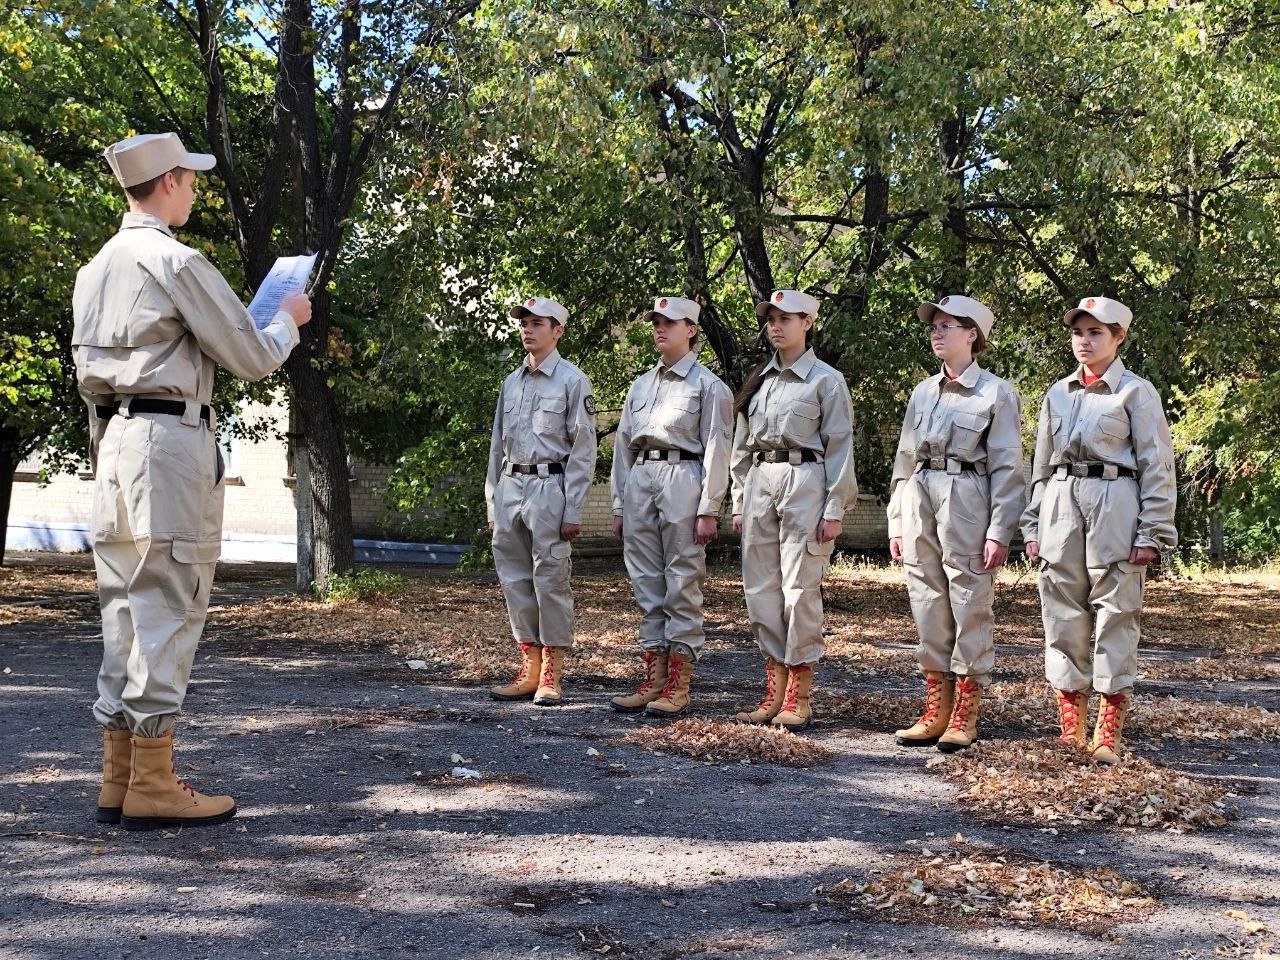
(782, 562)
(533, 563)
(157, 530)
(945, 517)
(666, 565)
(1091, 595)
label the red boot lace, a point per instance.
(525, 660)
(966, 693)
(1109, 719)
(793, 689)
(182, 783)
(650, 667)
(932, 700)
(769, 689)
(673, 677)
(1069, 713)
(549, 672)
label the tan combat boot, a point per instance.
(796, 712)
(775, 690)
(1073, 717)
(116, 764)
(675, 695)
(655, 678)
(939, 693)
(526, 682)
(549, 694)
(158, 797)
(1108, 732)
(962, 731)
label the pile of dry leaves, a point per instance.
(718, 741)
(1047, 784)
(967, 885)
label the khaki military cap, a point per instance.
(1104, 309)
(958, 306)
(540, 307)
(146, 156)
(677, 308)
(789, 301)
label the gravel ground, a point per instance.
(353, 840)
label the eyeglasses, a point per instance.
(943, 329)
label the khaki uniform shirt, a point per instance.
(682, 407)
(154, 319)
(804, 406)
(1117, 420)
(546, 415)
(976, 418)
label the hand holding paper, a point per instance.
(287, 275)
(298, 305)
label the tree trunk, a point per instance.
(748, 227)
(9, 460)
(324, 450)
(953, 142)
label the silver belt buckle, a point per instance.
(937, 463)
(1079, 469)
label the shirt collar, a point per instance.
(134, 220)
(968, 379)
(681, 367)
(1111, 378)
(548, 365)
(800, 368)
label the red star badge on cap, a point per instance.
(662, 302)
(533, 302)
(1089, 303)
(778, 296)
(943, 301)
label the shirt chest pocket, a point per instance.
(1111, 434)
(548, 414)
(802, 419)
(679, 412)
(967, 431)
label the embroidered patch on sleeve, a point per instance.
(589, 403)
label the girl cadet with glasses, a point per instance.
(1102, 505)
(792, 470)
(670, 476)
(956, 497)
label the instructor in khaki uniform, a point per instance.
(541, 460)
(957, 496)
(1102, 508)
(670, 476)
(153, 320)
(792, 469)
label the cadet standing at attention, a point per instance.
(541, 461)
(792, 468)
(670, 475)
(153, 320)
(1102, 504)
(957, 497)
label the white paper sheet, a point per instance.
(286, 275)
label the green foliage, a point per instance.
(366, 583)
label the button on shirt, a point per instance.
(973, 418)
(546, 415)
(153, 318)
(1118, 420)
(681, 407)
(804, 406)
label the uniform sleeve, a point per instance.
(1157, 486)
(223, 327)
(1039, 474)
(1004, 467)
(740, 461)
(623, 456)
(580, 421)
(494, 472)
(836, 433)
(904, 465)
(717, 416)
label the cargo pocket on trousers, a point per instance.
(560, 550)
(192, 572)
(816, 549)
